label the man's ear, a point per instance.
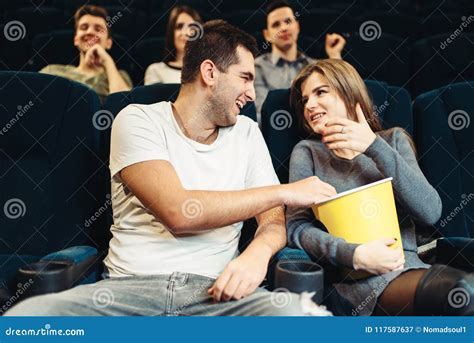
(76, 40)
(108, 44)
(208, 72)
(266, 36)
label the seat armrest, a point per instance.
(457, 252)
(58, 271)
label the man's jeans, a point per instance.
(178, 294)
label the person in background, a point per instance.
(276, 69)
(96, 67)
(184, 22)
(347, 148)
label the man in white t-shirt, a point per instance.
(184, 177)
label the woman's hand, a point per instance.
(342, 133)
(377, 257)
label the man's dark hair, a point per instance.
(92, 10)
(218, 43)
(274, 5)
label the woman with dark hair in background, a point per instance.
(184, 22)
(348, 148)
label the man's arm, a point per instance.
(156, 184)
(116, 81)
(245, 273)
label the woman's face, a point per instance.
(182, 31)
(320, 102)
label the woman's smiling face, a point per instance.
(320, 102)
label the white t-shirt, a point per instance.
(141, 244)
(162, 73)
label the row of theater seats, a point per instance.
(54, 146)
(419, 66)
(139, 24)
(413, 7)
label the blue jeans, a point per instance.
(178, 294)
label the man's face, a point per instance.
(282, 28)
(91, 30)
(234, 89)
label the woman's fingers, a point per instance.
(339, 121)
(334, 138)
(360, 115)
(325, 131)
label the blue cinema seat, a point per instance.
(444, 140)
(52, 180)
(440, 60)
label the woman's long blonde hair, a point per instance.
(345, 81)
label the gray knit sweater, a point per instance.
(390, 155)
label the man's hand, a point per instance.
(307, 192)
(241, 277)
(334, 45)
(97, 56)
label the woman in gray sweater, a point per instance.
(347, 149)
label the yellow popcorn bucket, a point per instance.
(361, 215)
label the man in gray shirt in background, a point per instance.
(276, 69)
